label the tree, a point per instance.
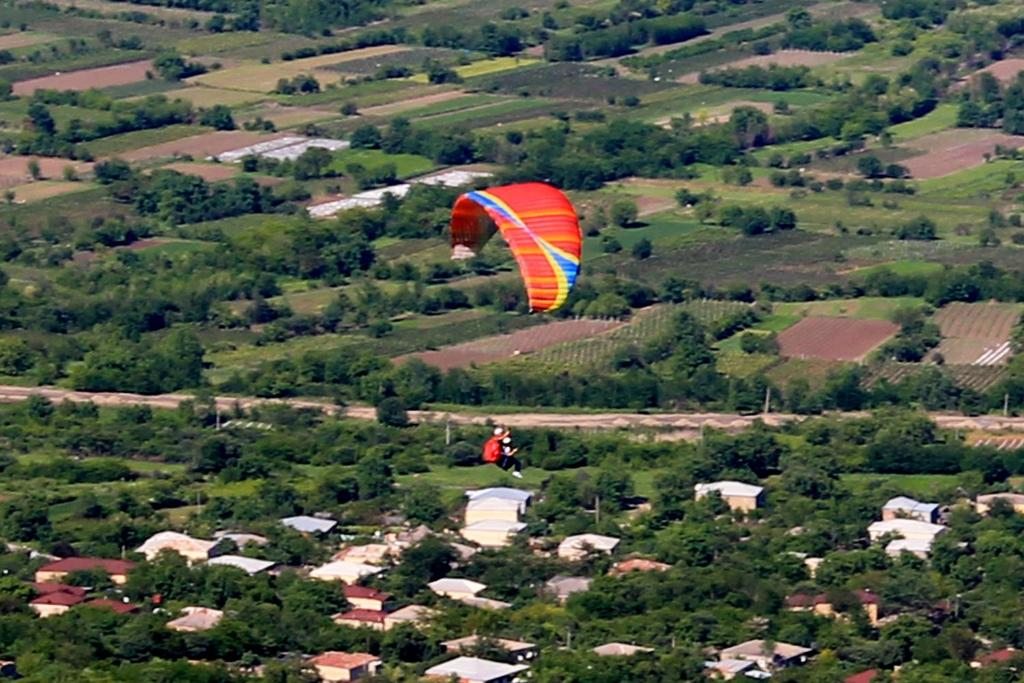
(870, 166)
(642, 249)
(34, 170)
(391, 412)
(374, 477)
(623, 212)
(312, 163)
(218, 117)
(422, 504)
(172, 66)
(40, 119)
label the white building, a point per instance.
(492, 533)
(577, 547)
(902, 507)
(736, 494)
(456, 588)
(475, 670)
(911, 535)
(192, 549)
(249, 565)
(346, 572)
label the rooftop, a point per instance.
(475, 670)
(172, 540)
(80, 564)
(808, 599)
(1012, 498)
(343, 569)
(59, 598)
(472, 641)
(564, 585)
(369, 616)
(620, 650)
(307, 525)
(997, 656)
(196, 619)
(729, 488)
(448, 585)
(582, 541)
(506, 492)
(904, 504)
(483, 603)
(412, 613)
(48, 588)
(757, 648)
(113, 605)
(863, 677)
(638, 564)
(905, 526)
(247, 564)
(365, 593)
(343, 660)
(495, 525)
(242, 539)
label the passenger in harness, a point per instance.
(498, 450)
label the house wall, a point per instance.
(49, 610)
(367, 603)
(373, 625)
(509, 514)
(742, 503)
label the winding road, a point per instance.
(668, 426)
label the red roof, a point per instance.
(862, 677)
(343, 660)
(80, 564)
(365, 593)
(368, 615)
(113, 605)
(58, 598)
(1004, 655)
(638, 564)
(47, 588)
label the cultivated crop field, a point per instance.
(976, 377)
(577, 81)
(836, 339)
(506, 346)
(646, 325)
(782, 58)
(199, 146)
(101, 77)
(977, 334)
(956, 150)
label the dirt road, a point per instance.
(669, 426)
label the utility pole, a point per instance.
(597, 509)
(217, 411)
(1006, 404)
(448, 432)
(767, 400)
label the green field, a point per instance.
(939, 119)
(921, 485)
(406, 165)
(879, 308)
(125, 142)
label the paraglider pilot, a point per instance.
(498, 450)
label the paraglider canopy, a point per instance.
(541, 228)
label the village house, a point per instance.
(821, 605)
(492, 508)
(305, 524)
(346, 572)
(561, 587)
(371, 553)
(984, 503)
(728, 669)
(343, 666)
(504, 492)
(55, 572)
(767, 655)
(196, 619)
(361, 618)
(416, 615)
(902, 507)
(637, 564)
(56, 602)
(366, 598)
(579, 546)
(911, 535)
(620, 650)
(475, 670)
(456, 588)
(192, 549)
(517, 649)
(241, 539)
(492, 533)
(736, 494)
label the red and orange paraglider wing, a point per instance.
(540, 226)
